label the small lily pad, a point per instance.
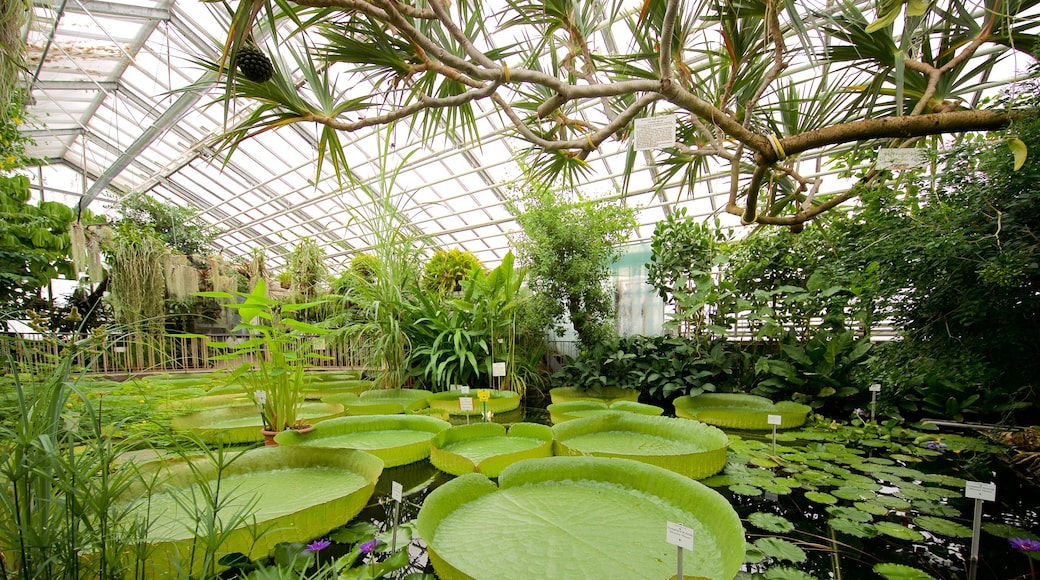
(1006, 531)
(899, 532)
(850, 513)
(780, 549)
(857, 529)
(853, 493)
(745, 489)
(943, 527)
(932, 508)
(771, 522)
(900, 572)
(821, 497)
(786, 573)
(871, 507)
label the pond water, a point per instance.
(834, 503)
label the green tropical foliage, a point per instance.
(446, 269)
(34, 242)
(567, 244)
(755, 88)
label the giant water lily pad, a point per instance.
(604, 394)
(687, 447)
(282, 494)
(234, 419)
(740, 411)
(560, 412)
(577, 517)
(315, 376)
(396, 439)
(498, 402)
(381, 401)
(489, 448)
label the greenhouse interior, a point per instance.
(620, 289)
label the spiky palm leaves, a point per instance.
(755, 83)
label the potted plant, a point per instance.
(273, 355)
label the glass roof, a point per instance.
(110, 92)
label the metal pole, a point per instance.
(678, 564)
(976, 531)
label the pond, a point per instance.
(832, 501)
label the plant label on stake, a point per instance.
(466, 404)
(498, 370)
(464, 389)
(980, 492)
(874, 390)
(681, 537)
(397, 493)
(774, 420)
(484, 395)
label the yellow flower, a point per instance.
(69, 404)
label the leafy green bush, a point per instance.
(446, 269)
(660, 367)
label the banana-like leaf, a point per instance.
(568, 509)
(499, 402)
(686, 447)
(381, 401)
(396, 439)
(560, 412)
(606, 394)
(740, 411)
(489, 448)
(281, 495)
(237, 420)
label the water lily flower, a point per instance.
(935, 445)
(318, 545)
(1025, 544)
(369, 546)
(858, 412)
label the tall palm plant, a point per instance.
(756, 86)
(379, 298)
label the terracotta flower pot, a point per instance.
(270, 435)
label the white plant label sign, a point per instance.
(498, 369)
(654, 132)
(396, 491)
(980, 490)
(679, 535)
(464, 389)
(774, 419)
(466, 403)
(875, 388)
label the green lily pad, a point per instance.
(488, 448)
(381, 401)
(471, 526)
(899, 532)
(396, 439)
(560, 412)
(871, 507)
(780, 549)
(687, 447)
(857, 529)
(891, 571)
(943, 527)
(850, 513)
(1007, 531)
(292, 494)
(498, 402)
(786, 573)
(770, 522)
(233, 419)
(821, 497)
(604, 394)
(745, 489)
(932, 508)
(853, 493)
(740, 411)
